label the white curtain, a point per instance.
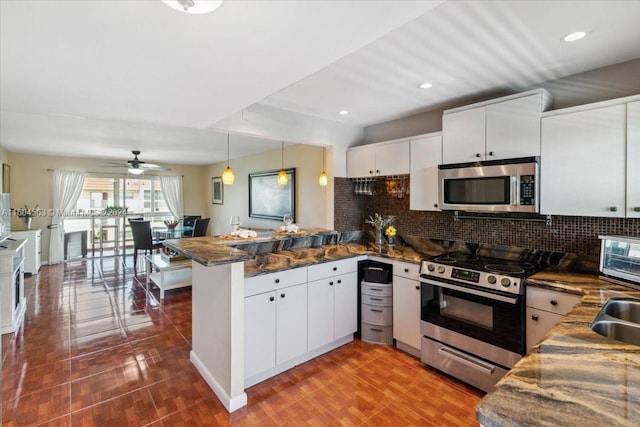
(172, 192)
(67, 186)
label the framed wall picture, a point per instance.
(6, 178)
(267, 199)
(217, 191)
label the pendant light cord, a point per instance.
(227, 150)
(282, 155)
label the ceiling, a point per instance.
(99, 79)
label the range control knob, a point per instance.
(491, 279)
(431, 267)
(440, 269)
(505, 282)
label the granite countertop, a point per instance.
(282, 251)
(573, 377)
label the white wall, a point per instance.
(314, 204)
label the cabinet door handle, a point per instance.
(418, 287)
(377, 170)
(370, 172)
(553, 302)
(376, 310)
(534, 317)
(335, 268)
(491, 153)
(376, 289)
(330, 283)
(376, 330)
(375, 299)
(613, 209)
(271, 298)
(435, 205)
(281, 295)
(277, 280)
(636, 209)
(339, 281)
(406, 270)
(478, 155)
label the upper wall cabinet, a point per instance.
(497, 129)
(381, 159)
(426, 155)
(588, 158)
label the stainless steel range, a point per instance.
(473, 316)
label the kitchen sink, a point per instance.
(619, 319)
(619, 331)
(623, 309)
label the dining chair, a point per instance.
(142, 239)
(188, 221)
(200, 227)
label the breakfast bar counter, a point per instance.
(574, 376)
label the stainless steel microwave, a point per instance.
(509, 185)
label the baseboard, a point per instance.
(230, 403)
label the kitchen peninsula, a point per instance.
(219, 268)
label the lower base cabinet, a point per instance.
(275, 328)
(332, 309)
(545, 308)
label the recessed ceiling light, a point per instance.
(425, 85)
(343, 112)
(574, 36)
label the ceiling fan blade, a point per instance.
(114, 164)
(151, 166)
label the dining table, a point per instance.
(173, 233)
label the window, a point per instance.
(137, 195)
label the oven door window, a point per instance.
(494, 322)
(495, 190)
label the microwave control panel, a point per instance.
(527, 190)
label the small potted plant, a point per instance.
(26, 215)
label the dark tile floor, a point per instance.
(96, 350)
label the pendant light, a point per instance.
(197, 7)
(322, 179)
(228, 177)
(283, 177)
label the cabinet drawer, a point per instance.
(375, 300)
(269, 282)
(376, 333)
(551, 301)
(376, 289)
(406, 269)
(333, 268)
(380, 315)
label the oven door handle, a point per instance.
(509, 300)
(465, 359)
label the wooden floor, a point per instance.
(95, 349)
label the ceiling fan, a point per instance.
(136, 166)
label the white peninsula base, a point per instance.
(218, 330)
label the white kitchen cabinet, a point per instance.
(380, 159)
(260, 333)
(463, 135)
(333, 302)
(13, 302)
(32, 249)
(583, 160)
(291, 322)
(545, 308)
(426, 155)
(406, 307)
(275, 319)
(633, 159)
(501, 128)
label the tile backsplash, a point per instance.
(571, 234)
